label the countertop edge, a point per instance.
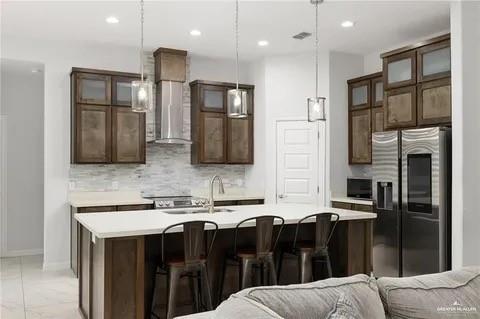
(351, 200)
(359, 215)
(81, 204)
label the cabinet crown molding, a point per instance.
(416, 45)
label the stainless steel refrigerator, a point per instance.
(412, 199)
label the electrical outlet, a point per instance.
(115, 185)
(71, 186)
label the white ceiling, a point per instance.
(379, 24)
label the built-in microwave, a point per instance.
(359, 188)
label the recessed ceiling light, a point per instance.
(262, 43)
(195, 33)
(112, 20)
(348, 24)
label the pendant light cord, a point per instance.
(316, 50)
(141, 38)
(236, 40)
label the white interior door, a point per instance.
(297, 162)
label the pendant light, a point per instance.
(236, 99)
(142, 91)
(316, 105)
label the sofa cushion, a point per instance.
(313, 300)
(239, 307)
(443, 295)
(344, 309)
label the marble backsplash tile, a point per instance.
(167, 170)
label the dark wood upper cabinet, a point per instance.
(213, 139)
(364, 104)
(106, 131)
(434, 102)
(240, 141)
(128, 135)
(400, 70)
(93, 134)
(359, 94)
(377, 91)
(216, 138)
(417, 84)
(170, 65)
(93, 88)
(360, 137)
(377, 119)
(400, 108)
(122, 91)
(434, 61)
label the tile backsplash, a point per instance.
(167, 170)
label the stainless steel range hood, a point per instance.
(169, 114)
(170, 74)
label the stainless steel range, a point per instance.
(171, 202)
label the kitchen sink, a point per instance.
(198, 211)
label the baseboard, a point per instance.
(56, 266)
(25, 252)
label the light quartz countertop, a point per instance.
(114, 198)
(148, 222)
(231, 193)
(351, 200)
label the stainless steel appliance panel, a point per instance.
(423, 210)
(385, 189)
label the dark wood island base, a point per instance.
(116, 274)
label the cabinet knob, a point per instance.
(282, 196)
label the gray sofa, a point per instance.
(452, 294)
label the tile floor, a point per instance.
(28, 292)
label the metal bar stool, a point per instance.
(192, 264)
(310, 253)
(260, 257)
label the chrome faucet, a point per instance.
(221, 190)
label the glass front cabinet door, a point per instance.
(122, 91)
(359, 95)
(434, 61)
(377, 91)
(212, 98)
(400, 70)
(93, 89)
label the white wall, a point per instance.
(343, 66)
(59, 58)
(215, 69)
(289, 80)
(465, 31)
(255, 174)
(22, 197)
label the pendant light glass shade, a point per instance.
(316, 109)
(142, 96)
(237, 99)
(142, 91)
(237, 105)
(316, 105)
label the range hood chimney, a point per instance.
(170, 74)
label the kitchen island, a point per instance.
(119, 251)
